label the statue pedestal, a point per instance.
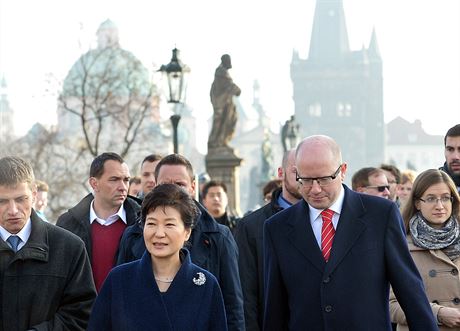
(222, 165)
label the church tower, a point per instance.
(339, 92)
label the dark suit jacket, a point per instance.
(351, 291)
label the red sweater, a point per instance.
(105, 241)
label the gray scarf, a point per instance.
(446, 238)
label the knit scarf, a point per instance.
(446, 238)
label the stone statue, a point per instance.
(225, 116)
(290, 134)
(267, 158)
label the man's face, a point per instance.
(41, 200)
(112, 187)
(323, 164)
(176, 174)
(148, 176)
(392, 182)
(216, 201)
(290, 186)
(15, 206)
(452, 154)
(378, 186)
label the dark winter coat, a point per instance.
(249, 237)
(47, 284)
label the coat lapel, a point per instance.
(349, 229)
(302, 237)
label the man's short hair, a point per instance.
(15, 170)
(135, 180)
(41, 186)
(393, 170)
(175, 159)
(361, 177)
(97, 166)
(452, 132)
(213, 183)
(151, 158)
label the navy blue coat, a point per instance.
(212, 247)
(351, 291)
(139, 304)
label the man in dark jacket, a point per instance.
(45, 274)
(211, 245)
(249, 237)
(452, 154)
(102, 216)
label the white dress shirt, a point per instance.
(24, 234)
(316, 221)
(121, 213)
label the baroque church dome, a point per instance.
(107, 69)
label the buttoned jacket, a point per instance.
(441, 278)
(351, 290)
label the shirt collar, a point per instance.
(24, 234)
(283, 203)
(121, 213)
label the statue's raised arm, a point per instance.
(225, 116)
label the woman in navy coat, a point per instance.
(163, 290)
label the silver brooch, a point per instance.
(200, 279)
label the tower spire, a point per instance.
(374, 50)
(329, 37)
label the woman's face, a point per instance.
(434, 210)
(164, 233)
(403, 191)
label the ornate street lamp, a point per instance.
(175, 72)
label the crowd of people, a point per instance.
(161, 251)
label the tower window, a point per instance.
(314, 110)
(343, 109)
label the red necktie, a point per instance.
(327, 233)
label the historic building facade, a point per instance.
(339, 92)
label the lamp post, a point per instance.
(175, 72)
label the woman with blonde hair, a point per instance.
(433, 233)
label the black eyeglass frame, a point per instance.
(380, 188)
(329, 179)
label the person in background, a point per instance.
(431, 218)
(329, 259)
(148, 174)
(269, 188)
(100, 218)
(135, 186)
(372, 181)
(41, 201)
(249, 237)
(394, 178)
(452, 154)
(215, 200)
(405, 187)
(45, 273)
(163, 290)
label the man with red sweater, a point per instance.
(102, 216)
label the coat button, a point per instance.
(456, 301)
(326, 280)
(432, 273)
(454, 272)
(328, 309)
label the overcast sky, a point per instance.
(419, 42)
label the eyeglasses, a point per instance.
(380, 188)
(322, 181)
(434, 201)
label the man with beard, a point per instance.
(452, 154)
(249, 237)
